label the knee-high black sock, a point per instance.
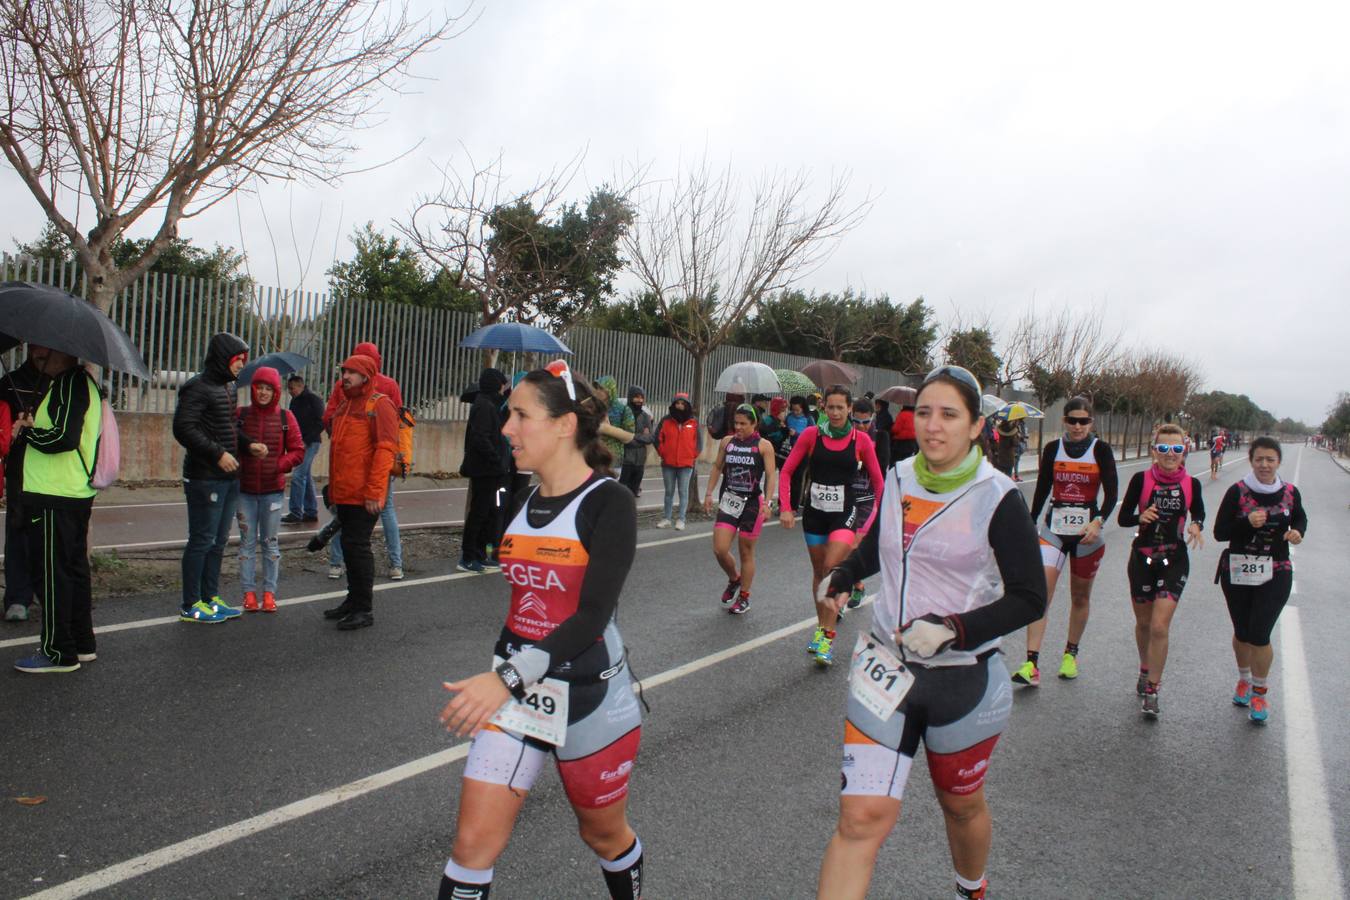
(459, 883)
(623, 874)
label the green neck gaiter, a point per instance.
(836, 432)
(951, 479)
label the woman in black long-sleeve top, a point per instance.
(1158, 502)
(1260, 517)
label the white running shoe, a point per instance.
(679, 525)
(663, 523)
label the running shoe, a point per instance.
(679, 525)
(1068, 667)
(1260, 709)
(1141, 686)
(226, 610)
(1028, 675)
(91, 656)
(824, 651)
(17, 612)
(1242, 694)
(470, 565)
(269, 602)
(489, 565)
(395, 573)
(855, 599)
(42, 664)
(335, 572)
(251, 601)
(741, 606)
(1149, 705)
(201, 614)
(662, 523)
(729, 594)
(816, 638)
(978, 894)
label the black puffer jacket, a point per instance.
(204, 421)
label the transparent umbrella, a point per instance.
(748, 378)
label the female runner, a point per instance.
(560, 684)
(959, 569)
(1158, 501)
(1074, 471)
(1259, 517)
(835, 453)
(743, 460)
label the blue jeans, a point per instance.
(210, 508)
(676, 479)
(389, 519)
(259, 523)
(304, 500)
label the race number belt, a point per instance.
(827, 497)
(542, 714)
(732, 504)
(1069, 520)
(877, 678)
(1250, 570)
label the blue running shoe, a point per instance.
(201, 614)
(825, 651)
(225, 610)
(1242, 694)
(816, 638)
(42, 664)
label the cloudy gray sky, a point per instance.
(1183, 168)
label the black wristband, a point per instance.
(511, 678)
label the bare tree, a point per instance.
(1057, 354)
(132, 108)
(709, 261)
(525, 253)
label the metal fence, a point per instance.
(171, 319)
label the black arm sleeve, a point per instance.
(1299, 517)
(1197, 502)
(1229, 524)
(68, 402)
(1106, 463)
(607, 526)
(1012, 535)
(1045, 477)
(1129, 507)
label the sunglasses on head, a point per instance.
(558, 369)
(1078, 420)
(1170, 448)
(965, 376)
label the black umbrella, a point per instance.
(50, 317)
(284, 362)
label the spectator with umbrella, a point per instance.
(205, 424)
(486, 464)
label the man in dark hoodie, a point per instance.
(635, 451)
(487, 465)
(205, 423)
(22, 389)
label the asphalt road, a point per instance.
(277, 757)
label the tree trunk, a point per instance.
(696, 398)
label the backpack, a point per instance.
(108, 449)
(403, 458)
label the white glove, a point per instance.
(927, 636)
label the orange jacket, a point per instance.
(361, 453)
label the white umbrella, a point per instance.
(747, 378)
(989, 404)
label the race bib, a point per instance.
(827, 497)
(732, 504)
(877, 678)
(1069, 520)
(541, 715)
(1249, 570)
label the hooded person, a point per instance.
(487, 465)
(679, 441)
(617, 430)
(393, 543)
(635, 452)
(361, 457)
(272, 445)
(205, 423)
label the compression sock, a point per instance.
(1034, 657)
(623, 874)
(1071, 649)
(459, 883)
(970, 890)
(1244, 674)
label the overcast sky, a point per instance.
(1185, 169)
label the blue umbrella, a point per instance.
(515, 337)
(285, 363)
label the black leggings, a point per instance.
(1254, 610)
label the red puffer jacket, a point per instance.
(263, 424)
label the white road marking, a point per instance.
(332, 595)
(212, 840)
(1316, 861)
